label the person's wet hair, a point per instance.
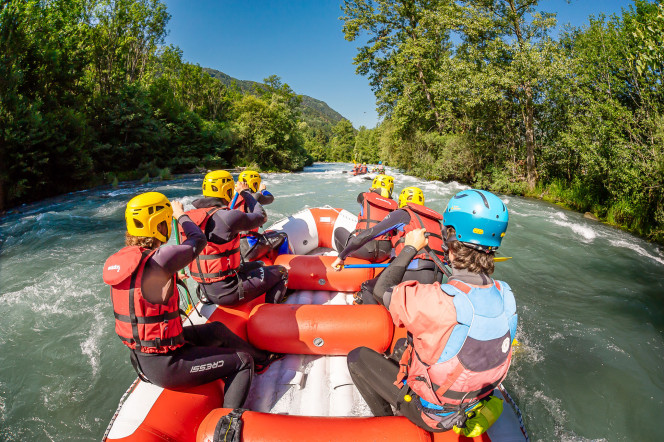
(465, 257)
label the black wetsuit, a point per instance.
(365, 248)
(252, 279)
(254, 246)
(421, 270)
(211, 351)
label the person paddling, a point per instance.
(254, 245)
(459, 334)
(428, 265)
(221, 278)
(145, 301)
(375, 205)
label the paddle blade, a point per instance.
(501, 258)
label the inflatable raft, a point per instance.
(308, 394)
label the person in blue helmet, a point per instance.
(460, 333)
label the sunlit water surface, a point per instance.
(590, 303)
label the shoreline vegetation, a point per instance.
(474, 92)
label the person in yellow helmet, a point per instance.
(375, 205)
(143, 278)
(254, 245)
(222, 278)
(428, 266)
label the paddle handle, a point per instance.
(233, 201)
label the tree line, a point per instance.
(90, 95)
(480, 92)
(473, 91)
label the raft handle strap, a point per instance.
(229, 427)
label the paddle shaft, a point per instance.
(233, 201)
(382, 265)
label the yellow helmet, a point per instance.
(145, 212)
(220, 184)
(385, 183)
(252, 178)
(411, 195)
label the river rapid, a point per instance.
(590, 300)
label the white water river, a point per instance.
(590, 300)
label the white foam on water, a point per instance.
(617, 349)
(187, 201)
(108, 210)
(554, 407)
(121, 192)
(296, 194)
(556, 336)
(526, 350)
(3, 405)
(90, 346)
(586, 232)
(636, 248)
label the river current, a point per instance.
(590, 299)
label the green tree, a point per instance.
(44, 130)
(268, 130)
(343, 142)
(408, 42)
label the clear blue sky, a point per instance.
(302, 42)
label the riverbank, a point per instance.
(619, 214)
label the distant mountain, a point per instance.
(314, 112)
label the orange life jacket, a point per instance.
(473, 359)
(374, 209)
(217, 261)
(150, 328)
(422, 217)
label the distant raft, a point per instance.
(308, 395)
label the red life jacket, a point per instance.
(422, 217)
(217, 261)
(241, 204)
(473, 359)
(150, 328)
(374, 209)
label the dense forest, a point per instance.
(480, 92)
(475, 91)
(90, 95)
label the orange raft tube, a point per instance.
(304, 327)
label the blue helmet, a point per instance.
(479, 217)
(380, 162)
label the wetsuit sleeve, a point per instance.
(394, 220)
(264, 197)
(175, 257)
(393, 275)
(225, 224)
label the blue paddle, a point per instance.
(377, 266)
(234, 199)
(411, 266)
